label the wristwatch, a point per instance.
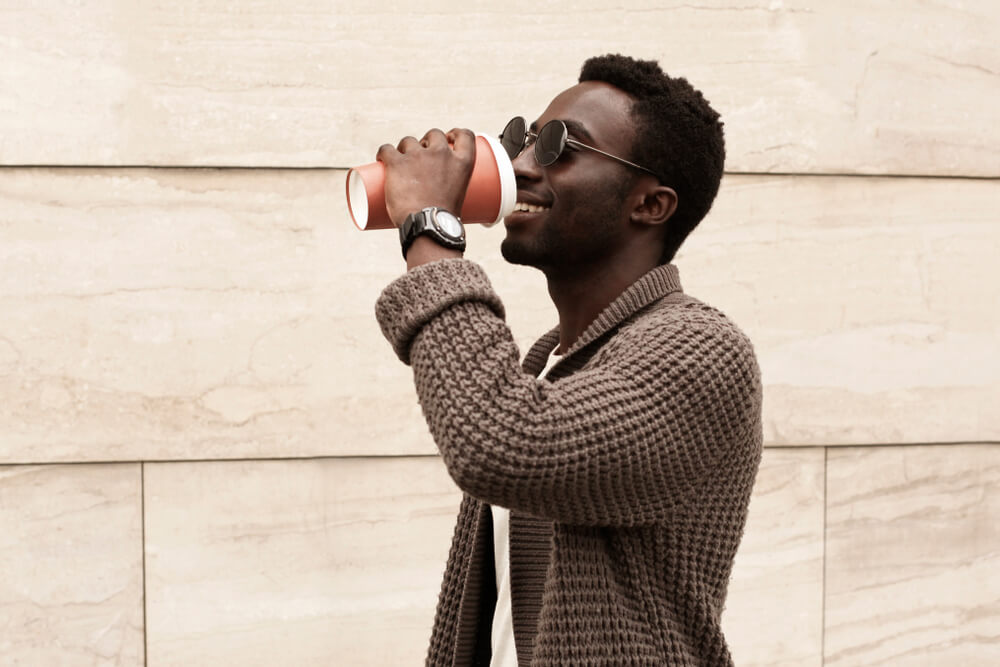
(441, 225)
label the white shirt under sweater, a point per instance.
(502, 634)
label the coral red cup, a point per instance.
(491, 194)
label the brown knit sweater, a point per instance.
(628, 477)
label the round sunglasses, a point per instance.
(550, 142)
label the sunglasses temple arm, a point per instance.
(613, 157)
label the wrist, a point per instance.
(424, 250)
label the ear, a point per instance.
(654, 205)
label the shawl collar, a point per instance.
(656, 284)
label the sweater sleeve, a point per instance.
(624, 441)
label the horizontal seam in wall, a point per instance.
(435, 456)
(334, 168)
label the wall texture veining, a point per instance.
(210, 456)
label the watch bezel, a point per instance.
(437, 213)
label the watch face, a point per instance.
(449, 224)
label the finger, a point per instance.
(408, 144)
(434, 138)
(387, 153)
(463, 142)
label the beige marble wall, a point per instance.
(875, 555)
(343, 557)
(836, 87)
(913, 556)
(314, 562)
(774, 612)
(190, 314)
(71, 575)
(194, 463)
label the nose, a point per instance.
(526, 167)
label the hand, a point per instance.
(434, 171)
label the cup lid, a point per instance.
(508, 183)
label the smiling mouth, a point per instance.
(521, 207)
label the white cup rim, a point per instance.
(508, 183)
(357, 199)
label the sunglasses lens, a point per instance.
(512, 137)
(550, 143)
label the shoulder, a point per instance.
(679, 320)
(681, 339)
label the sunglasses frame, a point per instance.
(564, 140)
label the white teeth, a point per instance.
(529, 208)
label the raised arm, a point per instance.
(632, 437)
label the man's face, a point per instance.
(582, 193)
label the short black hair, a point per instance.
(678, 135)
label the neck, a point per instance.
(581, 296)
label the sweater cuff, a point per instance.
(420, 295)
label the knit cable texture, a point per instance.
(638, 458)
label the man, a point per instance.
(626, 473)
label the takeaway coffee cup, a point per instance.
(491, 194)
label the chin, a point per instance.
(516, 253)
